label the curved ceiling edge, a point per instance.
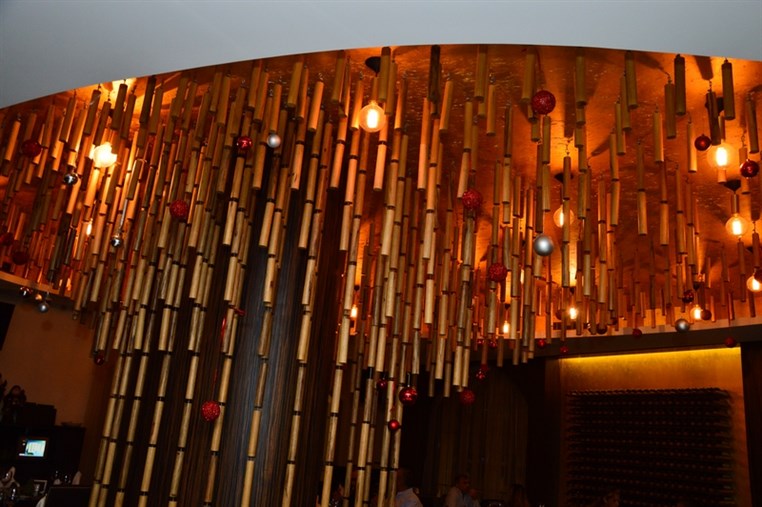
(67, 45)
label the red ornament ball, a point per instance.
(702, 142)
(179, 209)
(730, 342)
(543, 102)
(493, 344)
(564, 349)
(637, 333)
(480, 374)
(30, 148)
(408, 395)
(394, 425)
(688, 296)
(99, 358)
(243, 143)
(497, 272)
(20, 257)
(6, 239)
(381, 384)
(472, 199)
(466, 396)
(706, 314)
(542, 343)
(749, 168)
(210, 410)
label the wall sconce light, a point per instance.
(103, 156)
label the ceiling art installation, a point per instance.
(495, 200)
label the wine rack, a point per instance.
(656, 446)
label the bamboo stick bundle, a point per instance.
(670, 110)
(728, 91)
(663, 206)
(528, 84)
(378, 175)
(320, 152)
(751, 125)
(679, 68)
(465, 164)
(423, 149)
(338, 155)
(630, 80)
(103, 448)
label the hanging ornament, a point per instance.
(543, 102)
(682, 325)
(637, 333)
(25, 292)
(472, 199)
(749, 168)
(543, 245)
(408, 395)
(706, 314)
(116, 240)
(480, 374)
(381, 383)
(497, 272)
(541, 343)
(479, 342)
(466, 396)
(702, 142)
(493, 343)
(394, 425)
(179, 209)
(688, 296)
(99, 358)
(6, 239)
(601, 328)
(210, 410)
(70, 179)
(564, 349)
(273, 140)
(243, 143)
(30, 148)
(20, 257)
(730, 342)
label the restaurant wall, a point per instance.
(717, 367)
(48, 355)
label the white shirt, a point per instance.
(407, 498)
(456, 498)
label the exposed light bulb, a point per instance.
(559, 218)
(89, 228)
(103, 156)
(372, 118)
(753, 284)
(573, 312)
(353, 312)
(696, 312)
(721, 156)
(737, 225)
(506, 327)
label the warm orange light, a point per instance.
(372, 118)
(506, 327)
(573, 312)
(353, 312)
(696, 312)
(559, 218)
(102, 156)
(737, 225)
(753, 284)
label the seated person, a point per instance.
(458, 494)
(406, 496)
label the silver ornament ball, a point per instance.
(682, 325)
(273, 140)
(543, 245)
(116, 240)
(43, 306)
(25, 292)
(70, 178)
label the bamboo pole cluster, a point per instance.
(140, 244)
